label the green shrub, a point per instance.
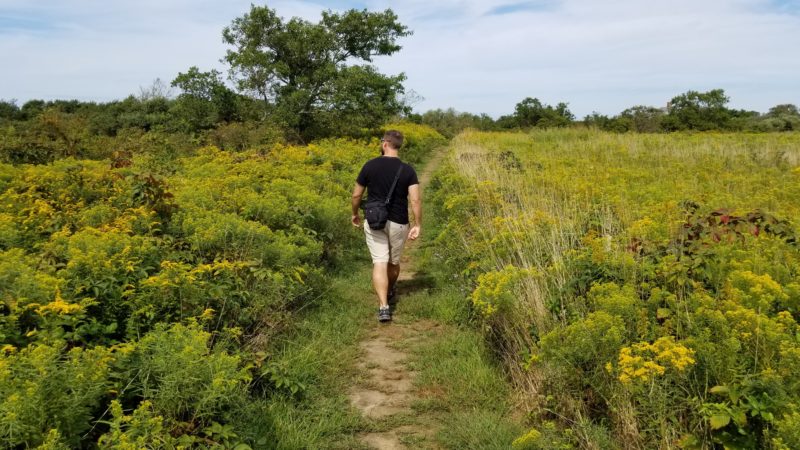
(45, 387)
(177, 370)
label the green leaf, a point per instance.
(689, 441)
(663, 313)
(719, 390)
(719, 420)
(740, 418)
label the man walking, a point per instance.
(386, 245)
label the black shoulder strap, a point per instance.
(394, 183)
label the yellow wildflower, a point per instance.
(59, 306)
(527, 439)
(207, 314)
(644, 361)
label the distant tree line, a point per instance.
(691, 111)
(290, 80)
(297, 81)
(699, 111)
(530, 112)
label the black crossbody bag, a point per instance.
(377, 212)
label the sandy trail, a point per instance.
(386, 388)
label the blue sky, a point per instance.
(473, 55)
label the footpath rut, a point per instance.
(385, 391)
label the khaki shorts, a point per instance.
(386, 245)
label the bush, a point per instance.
(177, 370)
(46, 387)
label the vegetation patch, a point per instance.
(641, 289)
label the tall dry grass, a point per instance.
(541, 193)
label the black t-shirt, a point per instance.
(377, 176)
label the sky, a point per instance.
(480, 56)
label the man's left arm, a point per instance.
(416, 207)
(355, 203)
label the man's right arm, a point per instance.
(415, 197)
(358, 191)
(355, 203)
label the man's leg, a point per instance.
(380, 281)
(397, 239)
(394, 273)
(378, 243)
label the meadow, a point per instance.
(595, 290)
(178, 269)
(642, 290)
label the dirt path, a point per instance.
(385, 390)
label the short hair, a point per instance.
(394, 138)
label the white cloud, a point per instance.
(602, 56)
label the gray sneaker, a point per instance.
(384, 314)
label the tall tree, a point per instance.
(204, 100)
(307, 74)
(643, 119)
(532, 112)
(698, 111)
(450, 122)
(8, 109)
(786, 109)
(784, 117)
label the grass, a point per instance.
(479, 430)
(464, 393)
(427, 300)
(463, 389)
(320, 353)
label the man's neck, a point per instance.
(390, 153)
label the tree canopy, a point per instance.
(308, 74)
(531, 112)
(204, 101)
(695, 110)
